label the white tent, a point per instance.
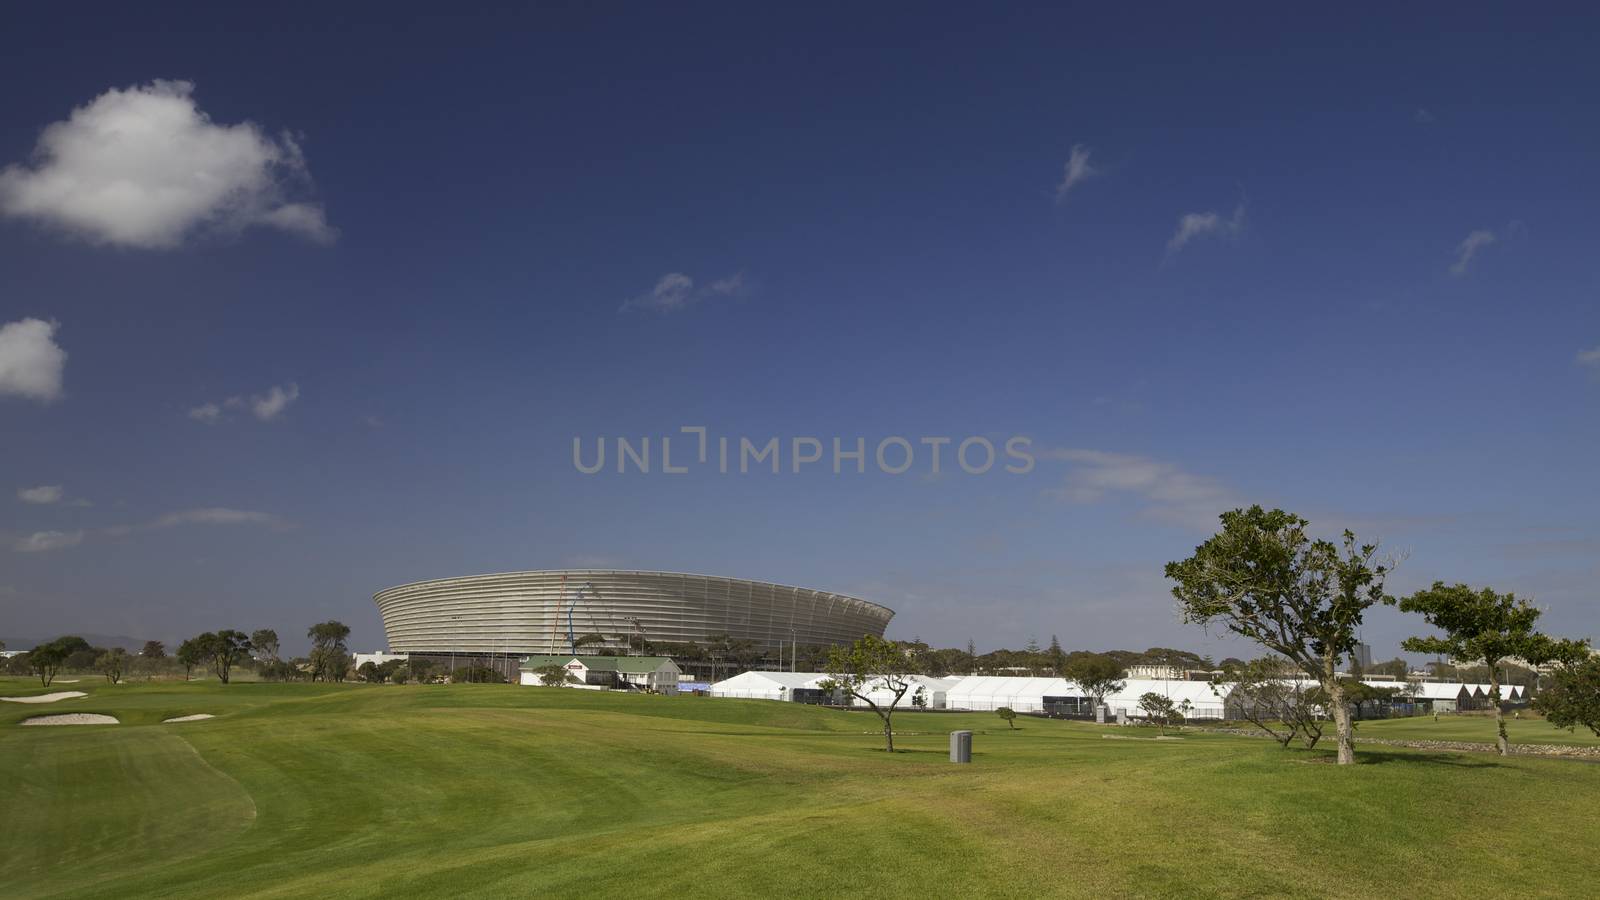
(1205, 700)
(767, 685)
(990, 692)
(935, 692)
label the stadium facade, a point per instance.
(540, 612)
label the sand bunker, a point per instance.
(46, 698)
(73, 719)
(194, 718)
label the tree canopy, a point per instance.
(1263, 577)
(1096, 673)
(1482, 626)
(868, 665)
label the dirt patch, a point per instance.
(194, 718)
(46, 698)
(73, 719)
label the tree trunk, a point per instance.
(1341, 721)
(1500, 742)
(888, 734)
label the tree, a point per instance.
(555, 675)
(112, 663)
(1262, 577)
(1573, 696)
(872, 664)
(1482, 626)
(1263, 692)
(1160, 710)
(1394, 668)
(231, 648)
(1009, 714)
(191, 653)
(265, 643)
(1358, 694)
(329, 658)
(45, 661)
(1096, 673)
(153, 650)
(278, 670)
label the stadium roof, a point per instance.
(630, 665)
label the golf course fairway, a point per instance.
(334, 791)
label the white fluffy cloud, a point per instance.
(42, 541)
(1204, 224)
(1165, 490)
(1468, 248)
(146, 167)
(1076, 171)
(31, 362)
(1590, 358)
(266, 406)
(675, 291)
(270, 405)
(43, 494)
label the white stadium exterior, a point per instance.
(536, 612)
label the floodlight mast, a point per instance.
(572, 640)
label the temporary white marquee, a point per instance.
(1023, 694)
(1204, 700)
(935, 693)
(767, 685)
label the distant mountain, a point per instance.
(132, 645)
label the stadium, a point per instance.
(546, 612)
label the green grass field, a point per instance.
(1529, 730)
(501, 791)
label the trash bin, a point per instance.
(961, 746)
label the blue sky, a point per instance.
(441, 243)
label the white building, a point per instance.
(637, 673)
(376, 657)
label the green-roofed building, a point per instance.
(629, 673)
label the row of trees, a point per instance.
(1263, 577)
(218, 652)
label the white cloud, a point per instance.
(42, 541)
(1468, 248)
(43, 494)
(265, 406)
(1205, 224)
(1589, 358)
(1077, 170)
(31, 363)
(728, 287)
(209, 515)
(215, 515)
(1166, 491)
(675, 291)
(270, 405)
(208, 413)
(145, 167)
